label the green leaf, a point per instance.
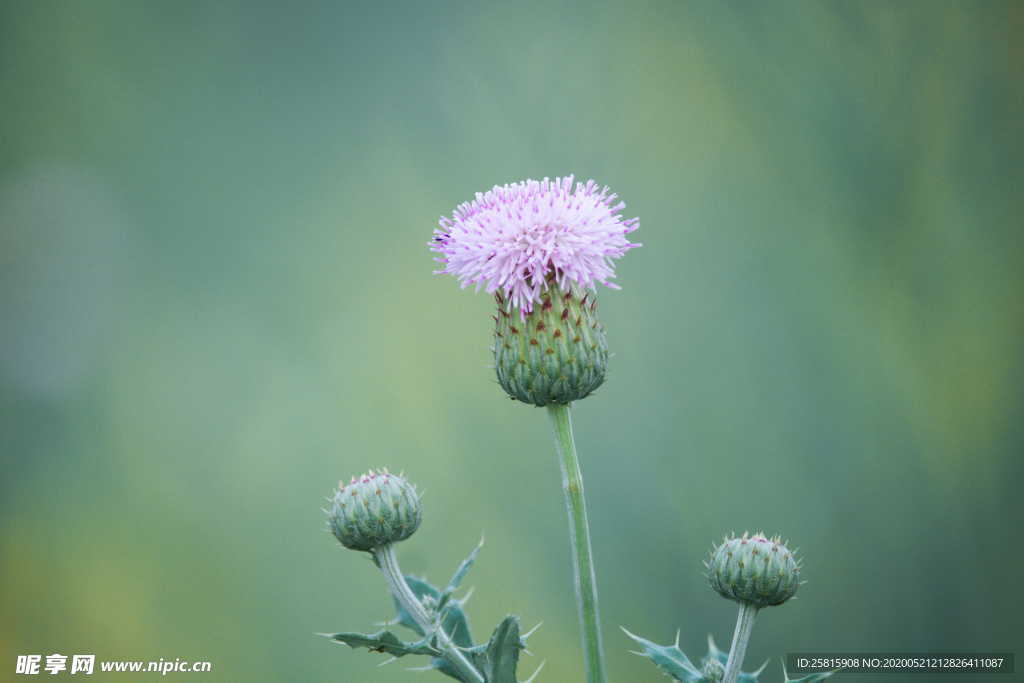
(384, 641)
(674, 662)
(497, 660)
(442, 665)
(751, 677)
(715, 653)
(456, 624)
(502, 654)
(669, 659)
(463, 569)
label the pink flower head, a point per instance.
(511, 238)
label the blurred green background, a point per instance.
(216, 300)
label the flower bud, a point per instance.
(555, 353)
(754, 570)
(713, 670)
(374, 510)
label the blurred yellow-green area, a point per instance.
(216, 300)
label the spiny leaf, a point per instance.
(716, 653)
(672, 660)
(456, 624)
(669, 659)
(752, 676)
(497, 660)
(386, 642)
(502, 655)
(463, 569)
(442, 665)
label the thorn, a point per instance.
(421, 668)
(631, 635)
(532, 630)
(530, 679)
(757, 673)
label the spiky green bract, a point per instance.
(554, 354)
(675, 663)
(754, 570)
(496, 660)
(373, 510)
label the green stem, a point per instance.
(740, 638)
(579, 537)
(388, 563)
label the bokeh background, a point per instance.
(216, 300)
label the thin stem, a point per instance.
(388, 563)
(579, 537)
(740, 638)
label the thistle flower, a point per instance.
(374, 510)
(754, 570)
(541, 248)
(511, 238)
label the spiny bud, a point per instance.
(713, 670)
(373, 510)
(754, 570)
(555, 353)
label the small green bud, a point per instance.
(554, 354)
(374, 510)
(713, 670)
(754, 570)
